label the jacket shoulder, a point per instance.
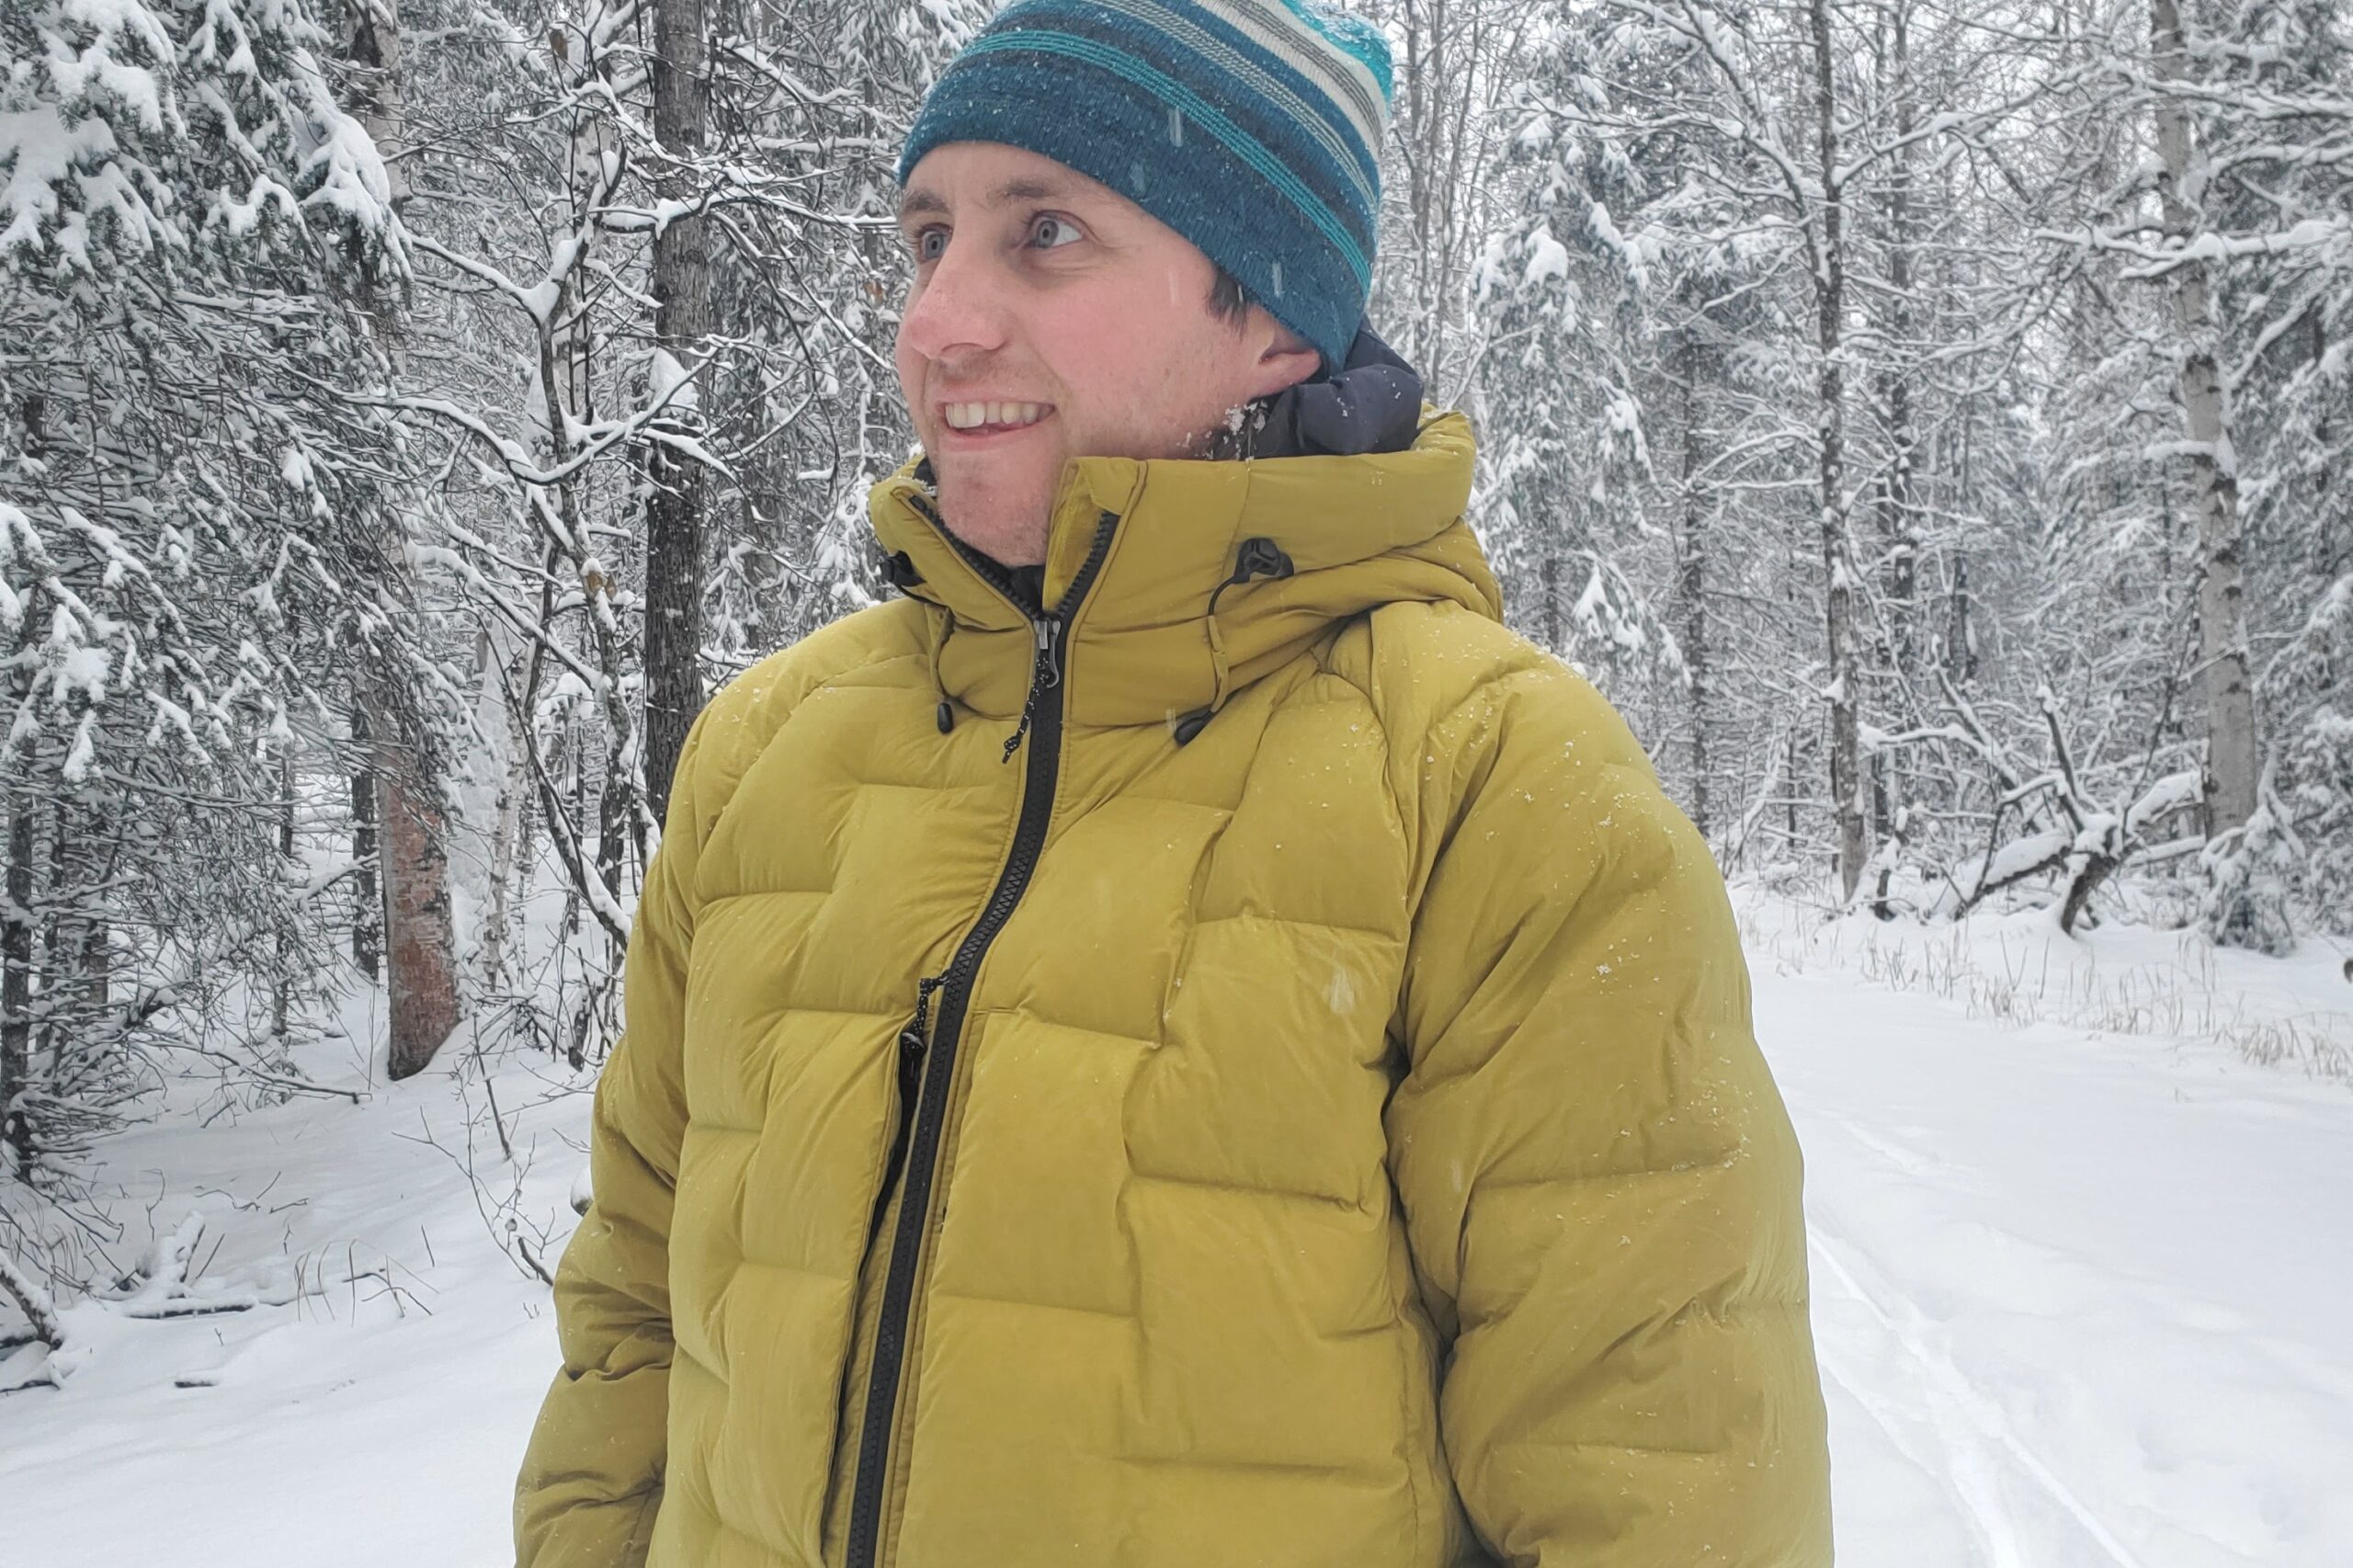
(1444, 670)
(740, 720)
(1474, 713)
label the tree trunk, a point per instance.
(60, 943)
(1830, 300)
(675, 498)
(1548, 582)
(17, 986)
(421, 947)
(411, 814)
(514, 793)
(1899, 527)
(2232, 754)
(97, 934)
(1899, 519)
(282, 990)
(1961, 629)
(1691, 592)
(367, 921)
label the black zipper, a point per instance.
(914, 1041)
(921, 1117)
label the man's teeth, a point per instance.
(969, 415)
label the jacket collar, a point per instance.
(1185, 606)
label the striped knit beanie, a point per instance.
(1253, 128)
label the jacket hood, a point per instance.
(1207, 573)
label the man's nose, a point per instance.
(959, 310)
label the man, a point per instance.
(1181, 1042)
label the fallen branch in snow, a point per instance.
(32, 1299)
(293, 1085)
(2064, 828)
(165, 1291)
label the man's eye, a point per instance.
(925, 249)
(1054, 232)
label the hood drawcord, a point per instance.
(1258, 557)
(943, 627)
(899, 570)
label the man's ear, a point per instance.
(1285, 359)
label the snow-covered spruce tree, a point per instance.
(1737, 101)
(183, 499)
(1558, 301)
(805, 104)
(1715, 389)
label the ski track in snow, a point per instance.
(2078, 1298)
(1973, 1441)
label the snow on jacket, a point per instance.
(1244, 1067)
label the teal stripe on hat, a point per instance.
(1175, 93)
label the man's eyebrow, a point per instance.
(922, 199)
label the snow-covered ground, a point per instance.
(2082, 1274)
(2080, 1299)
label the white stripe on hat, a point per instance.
(1349, 82)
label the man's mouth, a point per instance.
(992, 418)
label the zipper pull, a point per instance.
(915, 1039)
(1048, 671)
(1045, 673)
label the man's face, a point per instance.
(1038, 288)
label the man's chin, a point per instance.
(1008, 532)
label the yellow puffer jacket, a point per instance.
(1331, 1132)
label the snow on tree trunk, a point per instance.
(2231, 762)
(2232, 751)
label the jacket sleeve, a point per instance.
(1600, 1181)
(592, 1476)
